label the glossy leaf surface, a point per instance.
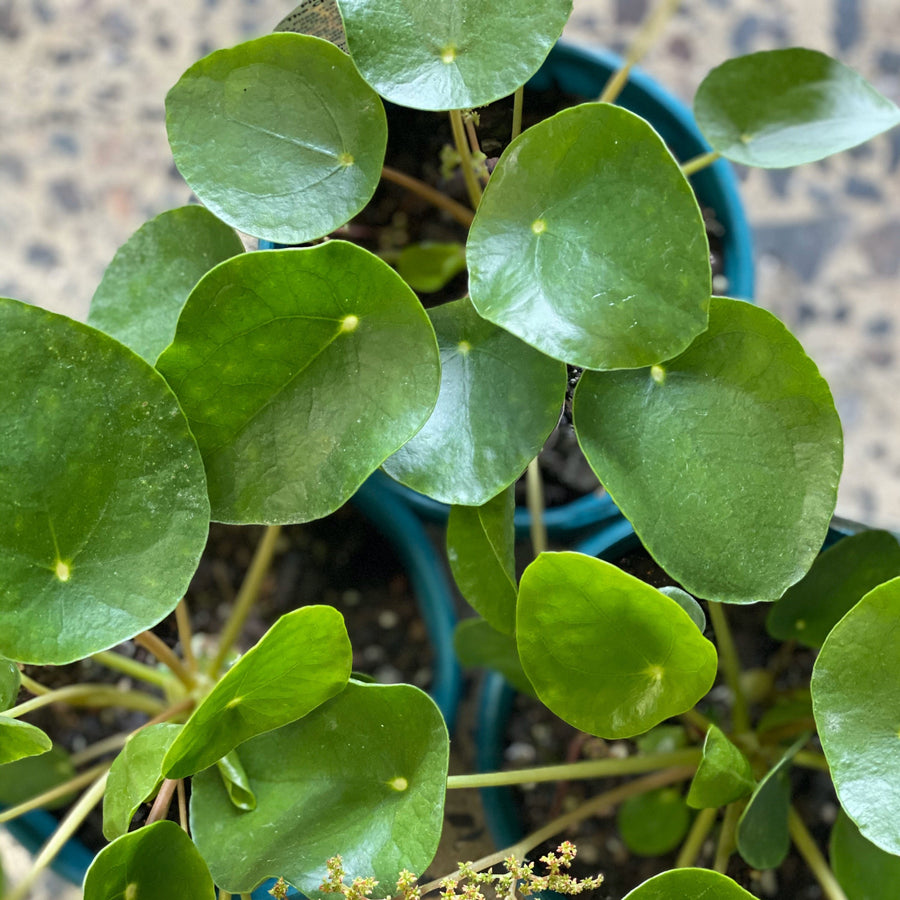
(103, 506)
(837, 581)
(724, 774)
(787, 107)
(430, 54)
(481, 551)
(428, 267)
(300, 372)
(499, 400)
(736, 443)
(679, 884)
(135, 775)
(856, 702)
(278, 136)
(299, 663)
(139, 299)
(559, 247)
(9, 683)
(864, 871)
(157, 862)
(367, 771)
(32, 775)
(478, 644)
(19, 740)
(654, 823)
(604, 651)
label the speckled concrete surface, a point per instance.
(84, 162)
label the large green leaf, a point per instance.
(696, 884)
(478, 644)
(856, 702)
(300, 372)
(431, 54)
(607, 652)
(9, 683)
(103, 506)
(134, 776)
(724, 775)
(364, 775)
(735, 443)
(481, 550)
(498, 403)
(143, 289)
(654, 823)
(589, 244)
(864, 871)
(786, 107)
(836, 582)
(278, 136)
(157, 862)
(300, 662)
(32, 775)
(19, 739)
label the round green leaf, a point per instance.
(156, 862)
(428, 267)
(499, 400)
(278, 136)
(680, 884)
(103, 506)
(607, 652)
(144, 287)
(864, 871)
(9, 683)
(134, 776)
(856, 702)
(736, 443)
(687, 603)
(786, 107)
(724, 775)
(19, 740)
(364, 775)
(837, 581)
(300, 372)
(654, 823)
(430, 54)
(559, 249)
(300, 662)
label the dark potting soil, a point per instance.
(535, 736)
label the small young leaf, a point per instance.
(654, 823)
(103, 505)
(787, 107)
(581, 620)
(688, 604)
(481, 551)
(235, 780)
(9, 683)
(300, 372)
(864, 871)
(19, 739)
(437, 55)
(278, 136)
(836, 582)
(366, 770)
(428, 267)
(856, 701)
(572, 206)
(738, 431)
(300, 662)
(724, 775)
(143, 289)
(32, 775)
(156, 862)
(478, 644)
(499, 401)
(681, 884)
(134, 776)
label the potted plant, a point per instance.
(269, 390)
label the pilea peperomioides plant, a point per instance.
(266, 387)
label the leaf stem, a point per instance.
(247, 595)
(726, 844)
(455, 210)
(474, 146)
(67, 827)
(809, 850)
(589, 768)
(132, 668)
(185, 635)
(155, 645)
(731, 667)
(163, 801)
(31, 685)
(701, 161)
(55, 793)
(90, 695)
(182, 806)
(465, 156)
(107, 745)
(693, 843)
(518, 103)
(534, 492)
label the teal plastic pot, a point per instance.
(435, 599)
